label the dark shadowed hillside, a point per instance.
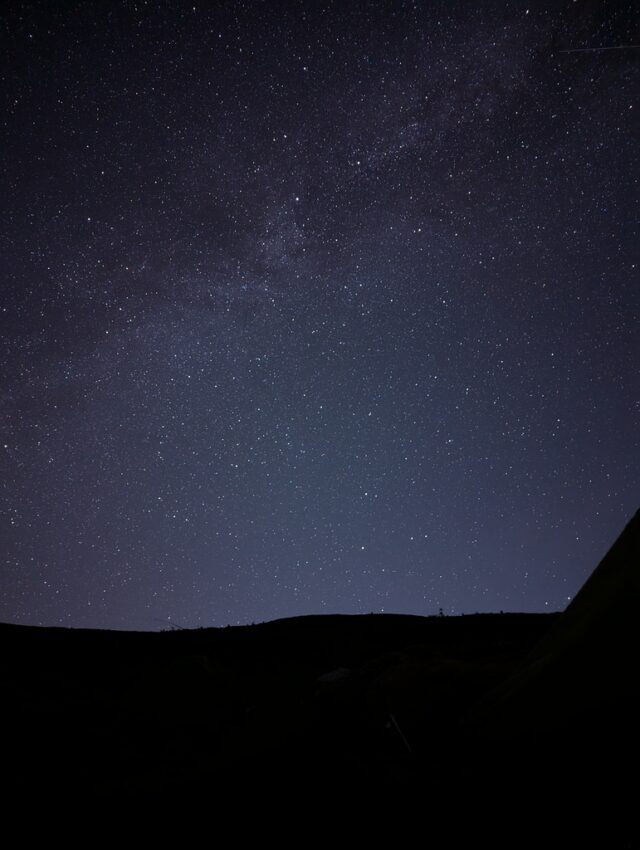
(367, 701)
(402, 712)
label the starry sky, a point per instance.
(315, 307)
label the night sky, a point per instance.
(314, 307)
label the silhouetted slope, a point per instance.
(336, 699)
(566, 722)
(450, 721)
(584, 669)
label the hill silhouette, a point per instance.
(376, 713)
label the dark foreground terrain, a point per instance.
(462, 724)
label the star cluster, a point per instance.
(316, 307)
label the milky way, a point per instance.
(316, 307)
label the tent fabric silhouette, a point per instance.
(584, 670)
